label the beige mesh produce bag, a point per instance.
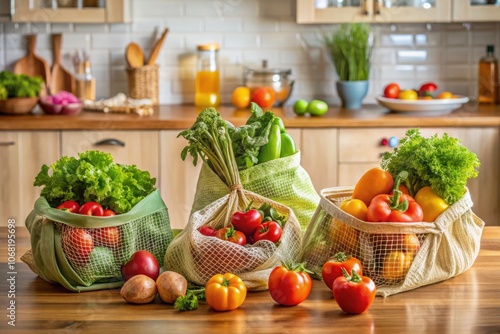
(397, 256)
(199, 257)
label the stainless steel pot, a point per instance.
(278, 79)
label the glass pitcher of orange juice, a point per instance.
(207, 90)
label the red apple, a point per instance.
(141, 262)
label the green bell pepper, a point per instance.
(287, 145)
(271, 150)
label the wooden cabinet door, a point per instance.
(178, 178)
(138, 148)
(469, 10)
(319, 156)
(23, 154)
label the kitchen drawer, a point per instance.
(140, 148)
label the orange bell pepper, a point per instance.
(225, 292)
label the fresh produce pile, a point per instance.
(427, 91)
(102, 212)
(242, 97)
(63, 103)
(19, 85)
(390, 211)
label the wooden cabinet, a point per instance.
(375, 11)
(470, 10)
(75, 11)
(23, 154)
(140, 148)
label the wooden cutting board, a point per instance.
(32, 64)
(60, 78)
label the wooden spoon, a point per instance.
(155, 50)
(134, 55)
(60, 78)
(32, 64)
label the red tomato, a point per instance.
(392, 90)
(333, 268)
(289, 286)
(70, 206)
(426, 88)
(231, 235)
(270, 230)
(207, 231)
(77, 245)
(141, 262)
(391, 208)
(247, 222)
(108, 213)
(264, 97)
(91, 209)
(107, 236)
(354, 293)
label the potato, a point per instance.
(171, 285)
(140, 289)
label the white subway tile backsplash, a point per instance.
(249, 31)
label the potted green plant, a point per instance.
(350, 49)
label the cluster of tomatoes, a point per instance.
(427, 91)
(78, 243)
(249, 226)
(263, 96)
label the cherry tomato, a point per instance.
(241, 97)
(408, 94)
(354, 293)
(427, 88)
(392, 90)
(77, 245)
(333, 268)
(231, 235)
(269, 230)
(264, 97)
(108, 213)
(289, 286)
(246, 221)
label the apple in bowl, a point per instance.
(61, 103)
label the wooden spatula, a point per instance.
(134, 55)
(60, 78)
(155, 50)
(32, 64)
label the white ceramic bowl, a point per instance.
(434, 106)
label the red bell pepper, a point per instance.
(70, 206)
(397, 207)
(91, 209)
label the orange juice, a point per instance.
(207, 89)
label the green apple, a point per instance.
(300, 107)
(317, 108)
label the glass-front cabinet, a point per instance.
(476, 10)
(336, 11)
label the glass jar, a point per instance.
(207, 90)
(278, 79)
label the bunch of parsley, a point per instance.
(443, 163)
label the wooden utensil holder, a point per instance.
(85, 89)
(143, 82)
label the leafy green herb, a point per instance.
(350, 49)
(19, 85)
(443, 163)
(249, 138)
(270, 214)
(94, 177)
(189, 301)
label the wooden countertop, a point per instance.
(177, 117)
(468, 303)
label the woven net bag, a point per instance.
(84, 253)
(397, 256)
(199, 257)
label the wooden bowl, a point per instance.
(18, 105)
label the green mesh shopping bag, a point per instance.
(282, 180)
(85, 253)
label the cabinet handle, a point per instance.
(378, 5)
(111, 141)
(365, 8)
(7, 143)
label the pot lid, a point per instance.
(264, 71)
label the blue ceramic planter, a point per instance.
(352, 93)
